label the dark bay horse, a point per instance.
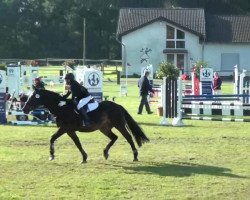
(107, 116)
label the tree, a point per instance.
(54, 28)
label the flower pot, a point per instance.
(160, 111)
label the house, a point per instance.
(183, 36)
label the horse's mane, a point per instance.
(55, 97)
(51, 94)
(52, 98)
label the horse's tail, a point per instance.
(135, 129)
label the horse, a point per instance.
(105, 117)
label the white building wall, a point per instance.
(213, 52)
(194, 48)
(153, 36)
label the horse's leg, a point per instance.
(128, 137)
(77, 142)
(56, 135)
(112, 137)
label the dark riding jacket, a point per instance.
(78, 91)
(144, 86)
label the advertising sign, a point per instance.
(2, 81)
(206, 88)
(13, 75)
(2, 97)
(93, 82)
(206, 78)
(123, 90)
(206, 74)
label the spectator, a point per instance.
(216, 84)
(145, 88)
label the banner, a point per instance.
(206, 78)
(92, 80)
(13, 75)
(3, 119)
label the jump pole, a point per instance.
(177, 121)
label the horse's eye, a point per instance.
(37, 96)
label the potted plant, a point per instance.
(166, 69)
(197, 67)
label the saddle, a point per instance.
(92, 105)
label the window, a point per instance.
(170, 44)
(178, 60)
(229, 60)
(175, 38)
(170, 32)
(180, 34)
(170, 58)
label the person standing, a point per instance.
(80, 96)
(145, 88)
(217, 84)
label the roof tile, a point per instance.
(228, 28)
(131, 19)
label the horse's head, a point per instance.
(35, 99)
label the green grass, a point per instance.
(203, 160)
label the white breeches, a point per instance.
(83, 102)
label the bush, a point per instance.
(2, 67)
(197, 67)
(167, 69)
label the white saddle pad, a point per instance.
(92, 106)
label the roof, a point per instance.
(228, 28)
(192, 20)
(214, 28)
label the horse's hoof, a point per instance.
(52, 158)
(106, 155)
(84, 161)
(136, 160)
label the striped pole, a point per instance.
(216, 119)
(177, 121)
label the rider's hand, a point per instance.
(62, 103)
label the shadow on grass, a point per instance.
(181, 170)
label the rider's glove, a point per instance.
(62, 103)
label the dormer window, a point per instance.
(175, 38)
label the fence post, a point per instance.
(164, 102)
(177, 121)
(170, 99)
(118, 77)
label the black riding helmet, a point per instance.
(70, 77)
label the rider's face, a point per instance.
(67, 81)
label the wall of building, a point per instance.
(194, 48)
(145, 46)
(213, 52)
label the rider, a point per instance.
(38, 83)
(80, 96)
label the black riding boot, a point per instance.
(86, 121)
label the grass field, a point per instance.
(203, 160)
